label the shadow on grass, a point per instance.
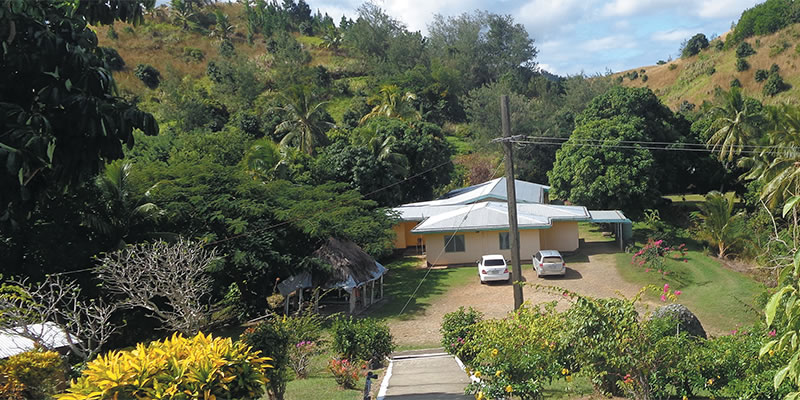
(403, 278)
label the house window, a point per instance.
(454, 243)
(505, 242)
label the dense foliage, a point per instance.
(362, 339)
(697, 43)
(765, 18)
(32, 375)
(175, 368)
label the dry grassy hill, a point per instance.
(695, 78)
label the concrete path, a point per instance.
(426, 374)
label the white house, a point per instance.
(467, 223)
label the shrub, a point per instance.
(191, 54)
(345, 372)
(697, 43)
(744, 50)
(735, 83)
(774, 85)
(129, 29)
(672, 67)
(178, 367)
(305, 326)
(519, 354)
(761, 75)
(719, 45)
(742, 65)
(654, 254)
(457, 329)
(300, 356)
(661, 62)
(148, 75)
(774, 69)
(644, 78)
(32, 375)
(272, 338)
(226, 48)
(113, 60)
(620, 79)
(778, 48)
(365, 339)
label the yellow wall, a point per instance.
(563, 236)
(403, 237)
(477, 244)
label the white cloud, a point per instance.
(549, 68)
(675, 34)
(723, 8)
(417, 14)
(544, 14)
(608, 43)
(626, 8)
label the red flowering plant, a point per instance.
(653, 256)
(345, 372)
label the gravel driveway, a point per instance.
(597, 278)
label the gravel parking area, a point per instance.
(596, 277)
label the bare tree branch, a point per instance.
(169, 280)
(86, 323)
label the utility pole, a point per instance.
(511, 193)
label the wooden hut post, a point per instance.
(352, 300)
(300, 301)
(286, 304)
(372, 292)
(381, 286)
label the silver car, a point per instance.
(549, 262)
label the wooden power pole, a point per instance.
(511, 193)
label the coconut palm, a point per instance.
(383, 150)
(119, 211)
(781, 177)
(222, 28)
(735, 125)
(392, 103)
(262, 159)
(305, 125)
(719, 225)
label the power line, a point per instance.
(638, 147)
(704, 145)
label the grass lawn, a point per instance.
(403, 277)
(321, 385)
(722, 299)
(593, 233)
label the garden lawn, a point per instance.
(722, 299)
(321, 385)
(405, 275)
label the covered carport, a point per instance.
(621, 226)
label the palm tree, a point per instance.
(305, 125)
(332, 38)
(383, 150)
(262, 159)
(718, 223)
(734, 125)
(119, 211)
(393, 104)
(781, 177)
(222, 27)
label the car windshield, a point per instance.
(550, 260)
(494, 263)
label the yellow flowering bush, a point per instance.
(178, 368)
(32, 375)
(517, 355)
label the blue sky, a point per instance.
(575, 36)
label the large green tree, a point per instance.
(60, 119)
(737, 120)
(606, 163)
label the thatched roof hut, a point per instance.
(350, 265)
(351, 269)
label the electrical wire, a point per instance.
(638, 147)
(705, 145)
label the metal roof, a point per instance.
(495, 189)
(12, 342)
(491, 215)
(420, 213)
(608, 216)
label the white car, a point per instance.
(549, 262)
(493, 268)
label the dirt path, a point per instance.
(597, 278)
